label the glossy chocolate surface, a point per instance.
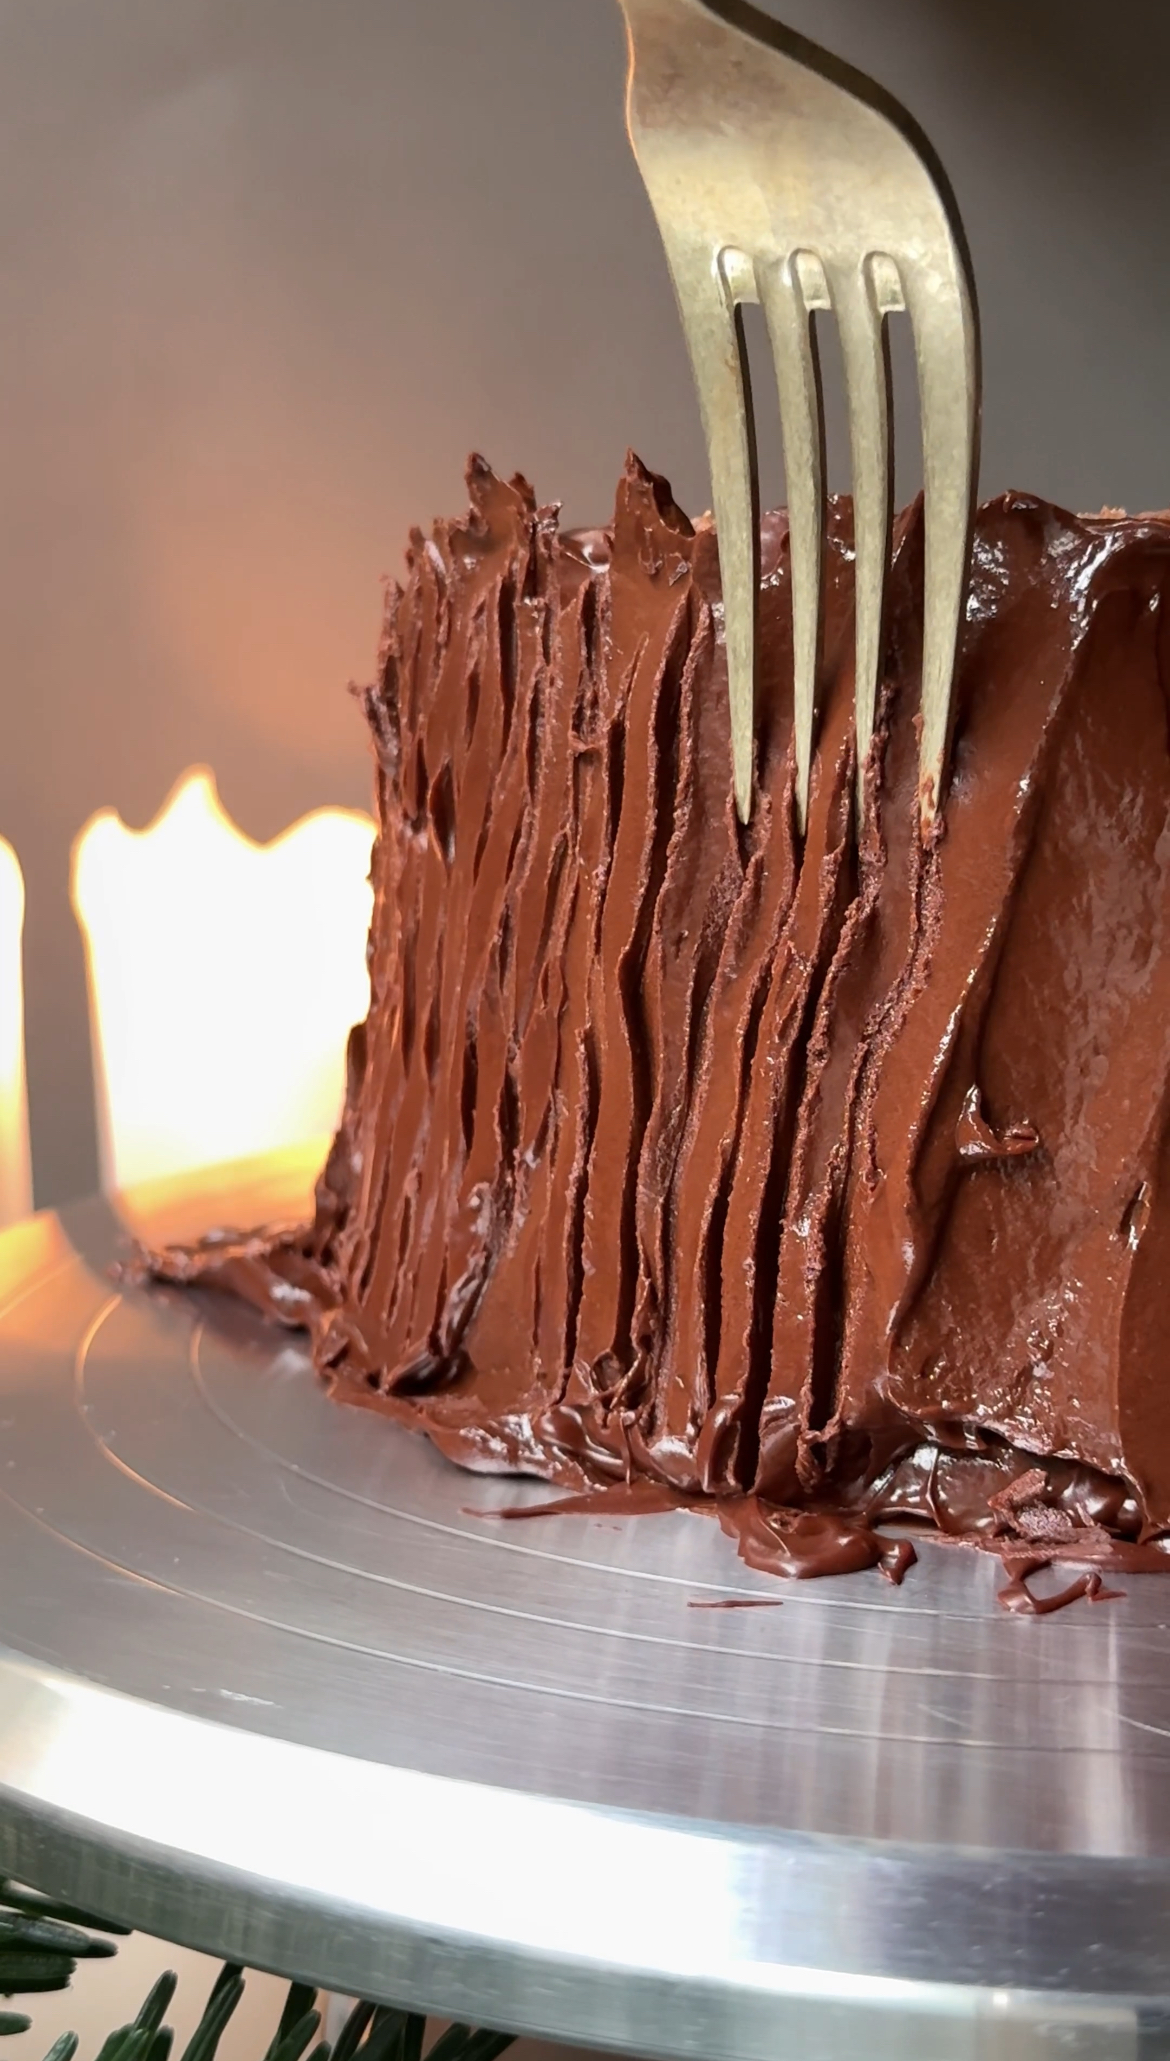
(826, 1185)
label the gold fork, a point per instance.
(780, 175)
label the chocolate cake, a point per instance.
(819, 1184)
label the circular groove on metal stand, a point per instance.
(275, 1682)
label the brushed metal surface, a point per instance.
(273, 1683)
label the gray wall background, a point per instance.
(270, 268)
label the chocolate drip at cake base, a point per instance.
(822, 1184)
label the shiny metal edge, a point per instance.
(525, 1911)
(627, 1870)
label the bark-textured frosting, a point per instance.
(830, 1182)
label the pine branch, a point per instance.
(353, 2032)
(63, 2049)
(40, 1946)
(42, 1941)
(16, 1897)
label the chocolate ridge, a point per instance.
(822, 1185)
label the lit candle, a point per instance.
(224, 976)
(15, 1162)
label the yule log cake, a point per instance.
(823, 1182)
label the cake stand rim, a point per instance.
(730, 1991)
(563, 1991)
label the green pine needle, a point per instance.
(63, 2049)
(353, 2032)
(298, 2004)
(113, 2047)
(450, 2044)
(49, 1933)
(26, 1969)
(42, 1940)
(130, 2043)
(220, 2004)
(158, 2003)
(461, 2043)
(14, 1896)
(385, 2036)
(488, 2046)
(296, 2043)
(483, 2045)
(227, 1978)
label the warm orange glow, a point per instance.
(223, 976)
(15, 1165)
(174, 1209)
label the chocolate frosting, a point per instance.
(821, 1185)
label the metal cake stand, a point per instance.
(272, 1685)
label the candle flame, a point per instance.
(15, 1163)
(223, 979)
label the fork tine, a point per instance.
(707, 294)
(861, 325)
(789, 292)
(947, 349)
